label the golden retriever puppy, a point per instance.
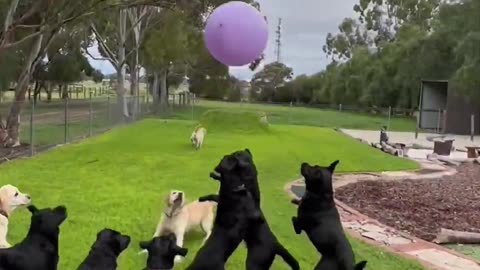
(180, 218)
(198, 136)
(10, 199)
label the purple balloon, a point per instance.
(236, 33)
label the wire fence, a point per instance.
(46, 124)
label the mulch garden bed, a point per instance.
(420, 207)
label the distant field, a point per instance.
(278, 114)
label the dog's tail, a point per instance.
(361, 265)
(287, 257)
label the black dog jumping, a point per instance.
(319, 218)
(262, 244)
(39, 249)
(105, 251)
(235, 210)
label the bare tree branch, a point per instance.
(104, 46)
(18, 42)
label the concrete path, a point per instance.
(408, 138)
(372, 231)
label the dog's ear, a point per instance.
(228, 163)
(167, 199)
(332, 166)
(361, 265)
(32, 208)
(249, 152)
(243, 161)
(180, 251)
(145, 244)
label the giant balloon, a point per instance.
(236, 33)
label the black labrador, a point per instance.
(105, 251)
(235, 210)
(262, 244)
(162, 251)
(319, 218)
(39, 249)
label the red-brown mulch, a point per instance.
(420, 207)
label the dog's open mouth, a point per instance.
(179, 198)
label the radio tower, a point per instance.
(278, 40)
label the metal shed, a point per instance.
(443, 109)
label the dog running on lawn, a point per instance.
(39, 249)
(105, 251)
(319, 218)
(235, 210)
(197, 137)
(262, 244)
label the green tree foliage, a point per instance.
(97, 76)
(267, 81)
(418, 39)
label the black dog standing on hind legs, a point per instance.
(262, 244)
(39, 249)
(235, 210)
(319, 218)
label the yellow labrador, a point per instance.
(198, 136)
(180, 218)
(10, 199)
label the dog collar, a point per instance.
(3, 213)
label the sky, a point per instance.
(305, 25)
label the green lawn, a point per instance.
(303, 116)
(119, 180)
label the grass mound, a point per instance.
(238, 121)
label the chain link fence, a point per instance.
(44, 124)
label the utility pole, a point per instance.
(278, 40)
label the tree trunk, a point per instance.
(64, 91)
(13, 119)
(121, 99)
(163, 91)
(30, 91)
(49, 92)
(134, 86)
(155, 86)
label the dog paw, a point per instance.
(296, 225)
(296, 201)
(178, 259)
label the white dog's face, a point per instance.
(193, 138)
(11, 198)
(176, 198)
